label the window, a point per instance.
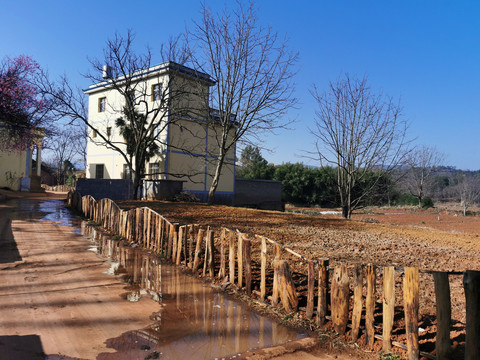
(109, 132)
(154, 169)
(126, 172)
(94, 133)
(99, 169)
(156, 92)
(102, 103)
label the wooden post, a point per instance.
(285, 285)
(471, 284)
(357, 301)
(170, 242)
(149, 225)
(161, 229)
(138, 225)
(322, 290)
(248, 265)
(388, 306)
(311, 289)
(443, 345)
(411, 297)
(207, 252)
(198, 247)
(339, 299)
(276, 285)
(222, 271)
(181, 235)
(240, 260)
(155, 232)
(191, 236)
(278, 251)
(211, 253)
(185, 244)
(263, 276)
(231, 257)
(175, 243)
(370, 307)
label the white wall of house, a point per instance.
(188, 133)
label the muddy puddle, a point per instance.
(51, 210)
(194, 320)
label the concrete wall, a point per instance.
(162, 189)
(259, 194)
(105, 188)
(12, 168)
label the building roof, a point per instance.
(166, 67)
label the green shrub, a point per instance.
(427, 203)
(407, 199)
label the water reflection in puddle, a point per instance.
(46, 210)
(194, 321)
(56, 212)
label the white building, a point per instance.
(16, 168)
(187, 142)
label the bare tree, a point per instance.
(469, 191)
(65, 146)
(422, 163)
(253, 70)
(360, 133)
(139, 121)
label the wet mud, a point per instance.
(194, 319)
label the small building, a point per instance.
(16, 168)
(187, 142)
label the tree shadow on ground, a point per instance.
(27, 347)
(8, 247)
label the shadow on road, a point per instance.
(8, 247)
(27, 347)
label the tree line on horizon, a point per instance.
(310, 186)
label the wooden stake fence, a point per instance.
(291, 279)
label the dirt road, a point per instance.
(54, 297)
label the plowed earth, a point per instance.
(438, 239)
(434, 239)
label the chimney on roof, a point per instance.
(107, 72)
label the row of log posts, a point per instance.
(139, 222)
(183, 244)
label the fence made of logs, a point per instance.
(270, 272)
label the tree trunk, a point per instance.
(216, 178)
(136, 186)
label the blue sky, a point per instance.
(427, 53)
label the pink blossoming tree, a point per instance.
(23, 109)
